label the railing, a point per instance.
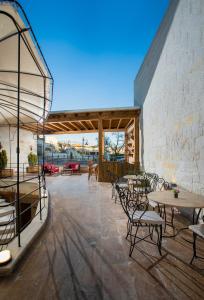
(60, 161)
(37, 194)
(119, 168)
(83, 160)
(22, 171)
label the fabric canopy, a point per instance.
(25, 79)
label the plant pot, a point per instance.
(175, 195)
(6, 173)
(33, 169)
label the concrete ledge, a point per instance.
(28, 236)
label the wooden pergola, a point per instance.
(96, 121)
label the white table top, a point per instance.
(185, 199)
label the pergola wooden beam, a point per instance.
(56, 127)
(66, 126)
(80, 116)
(128, 124)
(75, 126)
(81, 131)
(87, 121)
(91, 124)
(118, 127)
(82, 124)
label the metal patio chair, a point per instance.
(117, 181)
(135, 206)
(198, 231)
(159, 184)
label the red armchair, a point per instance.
(50, 169)
(74, 166)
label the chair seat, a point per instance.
(150, 217)
(198, 229)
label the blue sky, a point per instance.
(94, 48)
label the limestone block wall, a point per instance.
(27, 141)
(170, 89)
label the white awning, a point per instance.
(21, 65)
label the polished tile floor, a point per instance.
(83, 254)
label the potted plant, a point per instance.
(3, 164)
(33, 163)
(176, 192)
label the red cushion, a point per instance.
(74, 166)
(51, 168)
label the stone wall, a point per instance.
(27, 141)
(170, 89)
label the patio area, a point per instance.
(83, 253)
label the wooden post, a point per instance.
(100, 149)
(136, 142)
(126, 146)
(126, 152)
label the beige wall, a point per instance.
(170, 89)
(26, 141)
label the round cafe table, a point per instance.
(185, 200)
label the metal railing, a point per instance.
(38, 194)
(60, 161)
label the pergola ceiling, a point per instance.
(86, 121)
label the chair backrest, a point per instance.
(131, 201)
(156, 183)
(162, 185)
(90, 163)
(66, 165)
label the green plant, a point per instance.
(3, 159)
(32, 159)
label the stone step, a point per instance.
(8, 210)
(10, 228)
(6, 238)
(6, 219)
(2, 200)
(4, 204)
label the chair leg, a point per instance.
(129, 228)
(151, 232)
(172, 217)
(159, 237)
(113, 192)
(116, 197)
(165, 219)
(132, 241)
(194, 247)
